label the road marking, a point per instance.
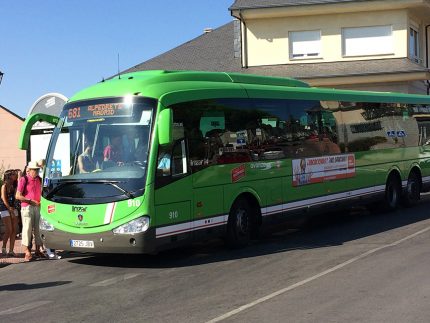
(111, 281)
(310, 279)
(24, 307)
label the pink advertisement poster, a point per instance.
(324, 168)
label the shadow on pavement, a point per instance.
(321, 231)
(16, 287)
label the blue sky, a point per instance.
(63, 46)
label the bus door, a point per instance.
(173, 192)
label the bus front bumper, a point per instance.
(104, 242)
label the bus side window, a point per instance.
(164, 162)
(173, 162)
(179, 158)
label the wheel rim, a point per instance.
(413, 190)
(242, 221)
(392, 195)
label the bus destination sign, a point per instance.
(99, 111)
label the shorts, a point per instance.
(6, 213)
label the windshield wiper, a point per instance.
(129, 194)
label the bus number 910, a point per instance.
(173, 215)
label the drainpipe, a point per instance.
(243, 39)
(427, 58)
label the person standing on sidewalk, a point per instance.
(18, 175)
(29, 192)
(9, 214)
(51, 253)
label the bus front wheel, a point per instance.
(241, 221)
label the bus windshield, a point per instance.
(100, 142)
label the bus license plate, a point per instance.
(81, 243)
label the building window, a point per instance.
(414, 52)
(305, 44)
(363, 41)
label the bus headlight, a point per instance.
(135, 226)
(45, 225)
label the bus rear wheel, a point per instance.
(240, 225)
(413, 190)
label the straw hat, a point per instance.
(32, 165)
(41, 163)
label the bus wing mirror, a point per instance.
(24, 138)
(165, 125)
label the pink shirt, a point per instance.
(110, 153)
(33, 191)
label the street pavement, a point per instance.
(352, 267)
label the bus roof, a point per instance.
(138, 82)
(156, 83)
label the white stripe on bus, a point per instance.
(191, 226)
(321, 200)
(270, 210)
(221, 220)
(110, 209)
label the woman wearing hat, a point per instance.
(29, 192)
(9, 214)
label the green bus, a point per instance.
(155, 159)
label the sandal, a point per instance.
(28, 257)
(11, 254)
